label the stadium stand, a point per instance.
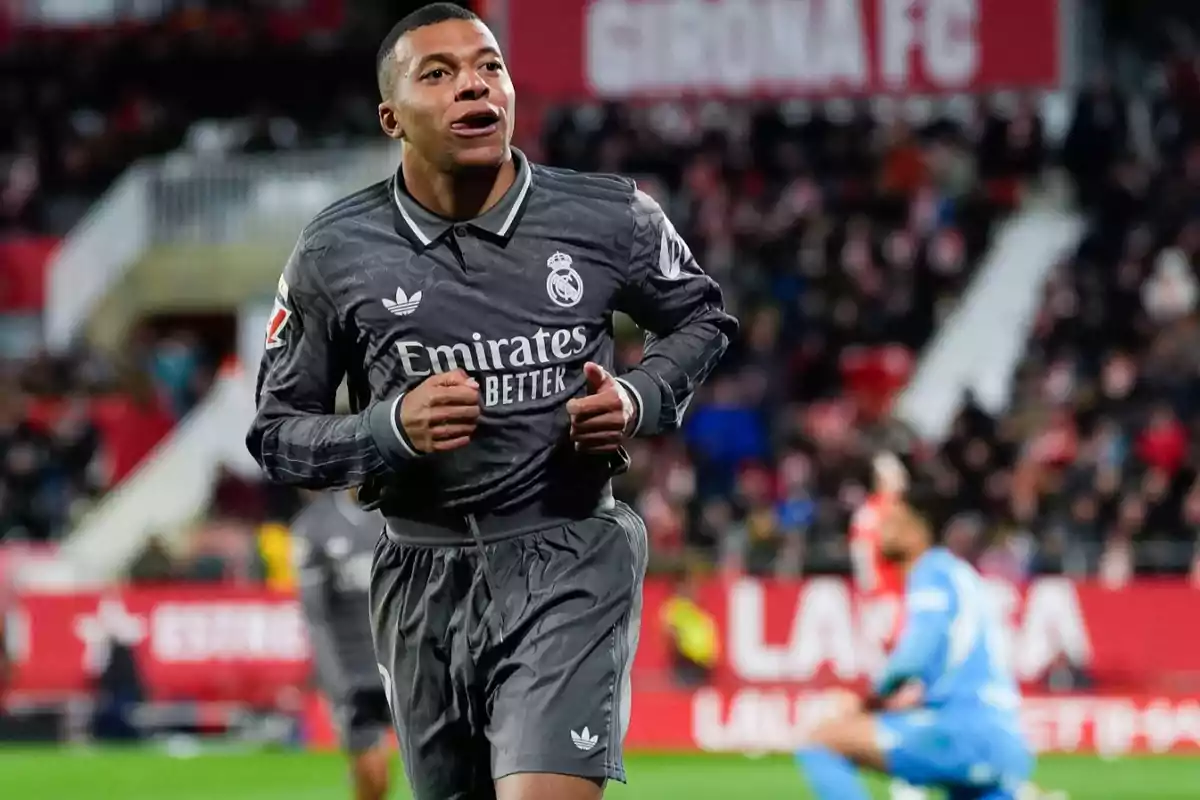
(1098, 453)
(208, 81)
(843, 240)
(841, 234)
(71, 426)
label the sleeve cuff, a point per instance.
(631, 400)
(384, 421)
(647, 396)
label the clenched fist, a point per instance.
(441, 413)
(601, 420)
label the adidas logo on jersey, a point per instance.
(403, 305)
(585, 740)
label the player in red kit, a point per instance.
(880, 583)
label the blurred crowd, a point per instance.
(1096, 467)
(71, 426)
(842, 233)
(80, 108)
(842, 239)
(1093, 468)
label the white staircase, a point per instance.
(980, 346)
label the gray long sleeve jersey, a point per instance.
(380, 291)
(333, 542)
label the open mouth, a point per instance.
(480, 123)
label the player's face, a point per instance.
(452, 99)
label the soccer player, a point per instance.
(878, 581)
(944, 714)
(334, 540)
(468, 301)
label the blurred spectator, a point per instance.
(175, 365)
(724, 433)
(1013, 143)
(1163, 445)
(154, 564)
(796, 511)
(27, 510)
(692, 633)
(1097, 136)
(904, 165)
(220, 550)
(276, 551)
(1169, 293)
(119, 691)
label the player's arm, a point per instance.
(314, 569)
(683, 313)
(296, 437)
(862, 565)
(862, 553)
(928, 614)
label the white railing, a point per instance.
(979, 347)
(94, 257)
(172, 486)
(191, 200)
(256, 198)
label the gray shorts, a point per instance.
(511, 658)
(363, 720)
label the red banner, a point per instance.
(23, 262)
(816, 632)
(808, 634)
(757, 720)
(190, 643)
(629, 48)
(781, 644)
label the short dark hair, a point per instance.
(431, 14)
(927, 502)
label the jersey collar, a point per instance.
(418, 223)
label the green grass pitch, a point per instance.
(148, 774)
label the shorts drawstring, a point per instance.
(473, 527)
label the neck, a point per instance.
(461, 194)
(913, 557)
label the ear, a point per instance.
(389, 122)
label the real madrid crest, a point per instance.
(563, 284)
